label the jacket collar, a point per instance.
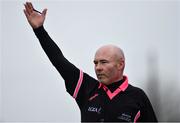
(121, 88)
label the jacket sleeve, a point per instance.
(67, 70)
(78, 84)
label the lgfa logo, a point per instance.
(94, 109)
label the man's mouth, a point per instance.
(99, 76)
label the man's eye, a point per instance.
(104, 62)
(95, 63)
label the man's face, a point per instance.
(106, 67)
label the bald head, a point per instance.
(112, 51)
(109, 64)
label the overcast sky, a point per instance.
(147, 30)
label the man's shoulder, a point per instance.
(134, 90)
(87, 77)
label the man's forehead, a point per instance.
(103, 55)
(109, 51)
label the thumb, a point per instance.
(44, 12)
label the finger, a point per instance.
(29, 5)
(44, 12)
(26, 14)
(27, 9)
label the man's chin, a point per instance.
(102, 81)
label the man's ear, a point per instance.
(120, 64)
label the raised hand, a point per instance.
(35, 18)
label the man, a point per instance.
(111, 97)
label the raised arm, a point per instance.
(68, 71)
(35, 18)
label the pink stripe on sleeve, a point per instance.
(137, 116)
(78, 84)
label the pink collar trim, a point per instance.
(122, 87)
